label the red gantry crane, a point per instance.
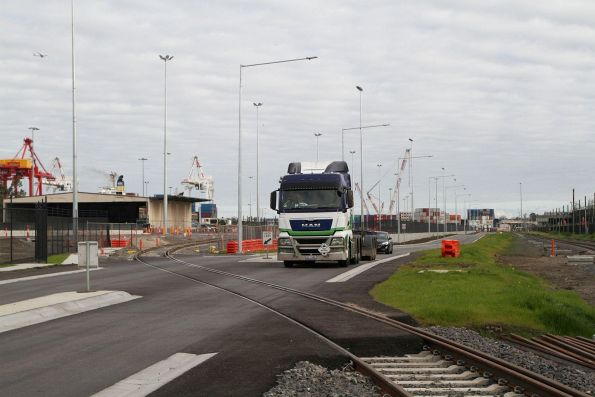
(23, 166)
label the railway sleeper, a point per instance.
(428, 364)
(508, 394)
(491, 390)
(434, 377)
(475, 382)
(452, 369)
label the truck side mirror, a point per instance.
(350, 198)
(273, 203)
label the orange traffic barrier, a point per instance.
(451, 248)
(119, 243)
(254, 245)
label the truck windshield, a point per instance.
(308, 200)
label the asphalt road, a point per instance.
(85, 353)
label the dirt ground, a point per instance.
(529, 258)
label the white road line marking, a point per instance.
(16, 280)
(360, 269)
(51, 312)
(157, 375)
(477, 239)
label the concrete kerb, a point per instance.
(33, 311)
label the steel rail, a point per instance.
(581, 244)
(528, 381)
(539, 347)
(384, 383)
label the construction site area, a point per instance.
(36, 220)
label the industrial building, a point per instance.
(110, 208)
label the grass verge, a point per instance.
(479, 292)
(58, 258)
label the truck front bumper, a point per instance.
(306, 249)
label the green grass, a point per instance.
(484, 293)
(58, 258)
(53, 259)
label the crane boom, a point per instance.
(197, 179)
(404, 160)
(365, 205)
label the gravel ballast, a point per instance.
(311, 380)
(568, 374)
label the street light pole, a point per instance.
(411, 184)
(165, 59)
(257, 106)
(240, 223)
(398, 185)
(411, 178)
(317, 135)
(355, 128)
(250, 205)
(352, 157)
(436, 199)
(456, 206)
(143, 159)
(33, 129)
(452, 187)
(522, 218)
(379, 208)
(75, 187)
(361, 161)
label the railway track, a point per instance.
(445, 367)
(586, 245)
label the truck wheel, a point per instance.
(344, 263)
(288, 263)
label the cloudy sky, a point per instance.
(499, 92)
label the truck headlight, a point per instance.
(284, 242)
(337, 242)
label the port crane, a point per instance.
(25, 164)
(197, 179)
(62, 183)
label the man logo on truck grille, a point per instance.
(311, 225)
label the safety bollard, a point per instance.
(140, 244)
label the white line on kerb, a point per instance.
(152, 378)
(477, 239)
(16, 280)
(360, 269)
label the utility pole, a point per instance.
(143, 159)
(75, 187)
(257, 106)
(165, 59)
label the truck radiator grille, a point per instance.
(317, 240)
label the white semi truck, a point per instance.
(315, 206)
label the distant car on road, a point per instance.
(384, 243)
